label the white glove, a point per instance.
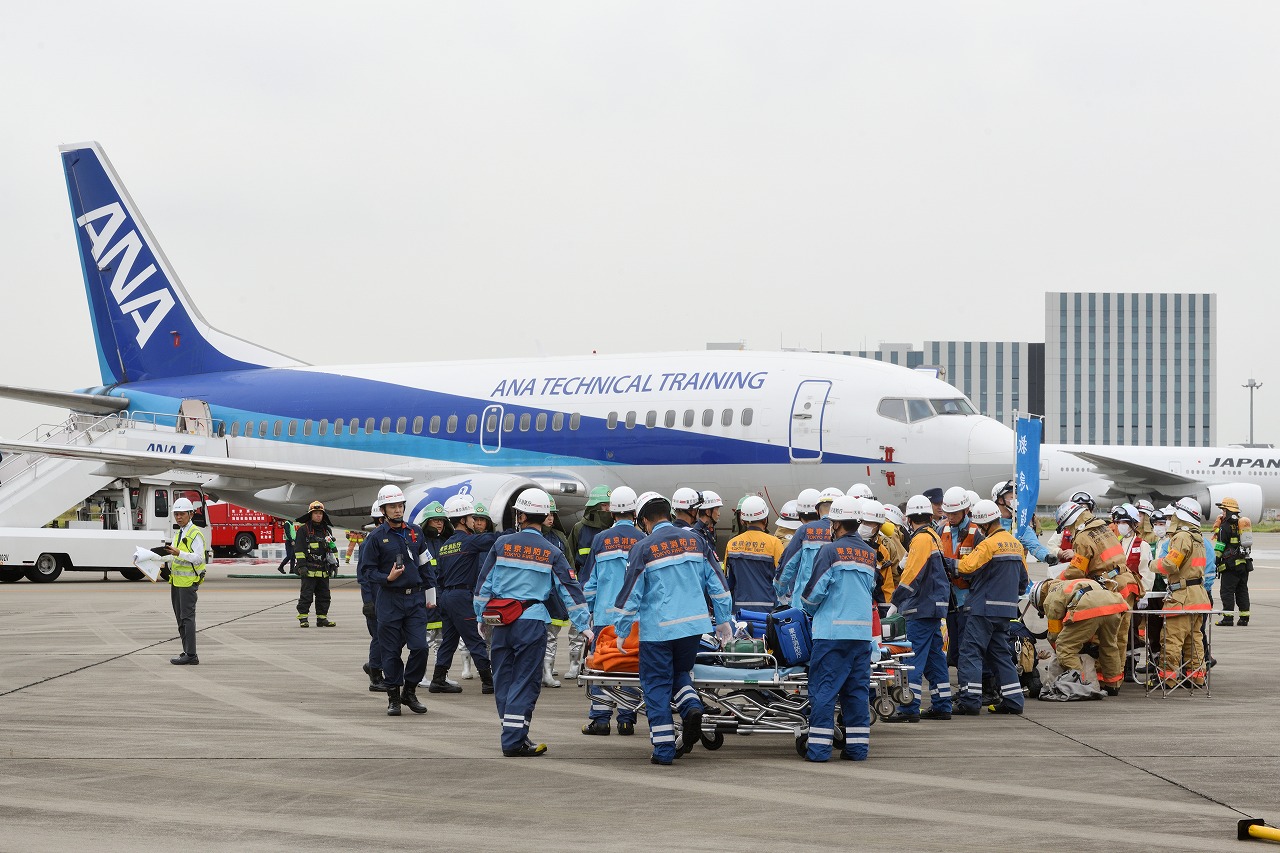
(622, 643)
(483, 628)
(588, 636)
(431, 597)
(724, 633)
(891, 612)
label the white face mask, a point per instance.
(1012, 503)
(1124, 528)
(1160, 529)
(866, 531)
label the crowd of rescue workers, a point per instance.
(641, 587)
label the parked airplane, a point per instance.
(277, 433)
(1124, 473)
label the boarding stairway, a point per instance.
(35, 489)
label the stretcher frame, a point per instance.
(775, 702)
(1152, 683)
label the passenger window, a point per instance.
(631, 420)
(491, 423)
(307, 426)
(451, 425)
(508, 421)
(293, 428)
(651, 420)
(262, 429)
(324, 426)
(918, 410)
(670, 419)
(162, 503)
(235, 428)
(355, 426)
(688, 417)
(368, 426)
(401, 423)
(726, 417)
(434, 426)
(278, 429)
(574, 420)
(525, 420)
(417, 425)
(337, 426)
(473, 422)
(893, 409)
(540, 423)
(708, 417)
(385, 426)
(557, 421)
(612, 422)
(747, 416)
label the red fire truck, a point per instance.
(236, 531)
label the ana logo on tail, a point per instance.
(124, 253)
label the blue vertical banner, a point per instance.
(1027, 476)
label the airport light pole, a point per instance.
(1252, 386)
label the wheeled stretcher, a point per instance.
(765, 698)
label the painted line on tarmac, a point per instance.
(1114, 757)
(146, 647)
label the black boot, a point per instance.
(1244, 620)
(376, 685)
(410, 698)
(486, 680)
(393, 701)
(440, 685)
(1229, 620)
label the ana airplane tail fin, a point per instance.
(144, 323)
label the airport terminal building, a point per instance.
(1114, 368)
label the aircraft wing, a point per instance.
(264, 475)
(1132, 478)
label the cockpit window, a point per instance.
(919, 410)
(893, 409)
(958, 406)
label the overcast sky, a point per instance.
(367, 182)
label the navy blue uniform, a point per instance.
(401, 604)
(459, 569)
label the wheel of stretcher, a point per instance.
(901, 693)
(802, 745)
(884, 706)
(714, 741)
(837, 738)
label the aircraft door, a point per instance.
(194, 418)
(805, 434)
(491, 429)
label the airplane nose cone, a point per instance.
(991, 446)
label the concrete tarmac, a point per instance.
(274, 742)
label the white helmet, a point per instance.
(845, 509)
(973, 497)
(807, 501)
(894, 515)
(375, 510)
(829, 494)
(754, 509)
(919, 505)
(956, 499)
(684, 498)
(984, 512)
(644, 498)
(532, 502)
(1002, 488)
(389, 495)
(459, 506)
(183, 505)
(1186, 509)
(1145, 507)
(860, 490)
(622, 499)
(710, 500)
(871, 511)
(788, 517)
(1068, 513)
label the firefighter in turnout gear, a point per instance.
(1095, 551)
(1079, 610)
(1181, 649)
(1233, 540)
(315, 553)
(1126, 581)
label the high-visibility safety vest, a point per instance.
(185, 568)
